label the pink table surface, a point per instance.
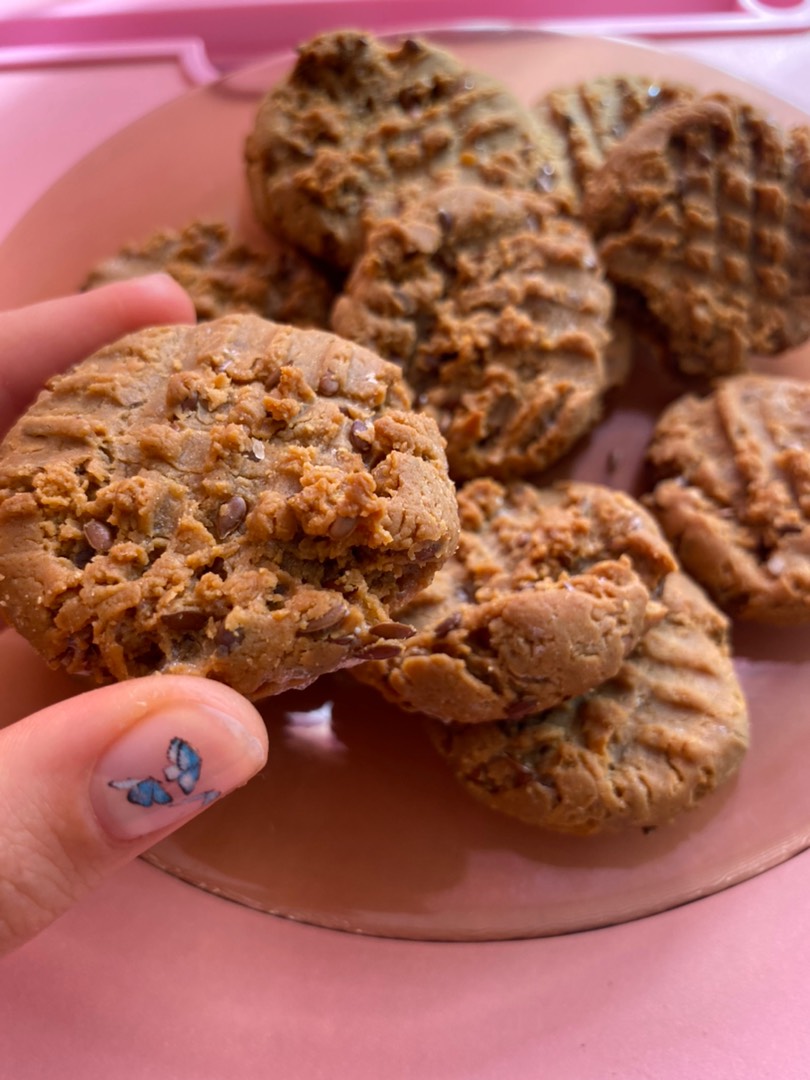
(714, 989)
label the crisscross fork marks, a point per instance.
(702, 209)
(585, 121)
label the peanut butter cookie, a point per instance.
(237, 499)
(733, 493)
(548, 592)
(359, 124)
(648, 744)
(496, 308)
(705, 209)
(584, 122)
(224, 276)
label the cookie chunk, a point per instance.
(359, 124)
(586, 121)
(705, 209)
(651, 742)
(733, 493)
(237, 499)
(224, 276)
(496, 308)
(548, 592)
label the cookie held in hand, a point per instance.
(239, 499)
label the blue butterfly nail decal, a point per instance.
(143, 792)
(185, 765)
(184, 769)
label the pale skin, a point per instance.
(53, 846)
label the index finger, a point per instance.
(43, 339)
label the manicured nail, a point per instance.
(168, 767)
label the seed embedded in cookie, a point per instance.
(224, 276)
(360, 124)
(652, 742)
(705, 210)
(189, 501)
(496, 308)
(584, 122)
(733, 493)
(548, 592)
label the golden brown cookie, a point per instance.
(733, 493)
(224, 276)
(497, 310)
(237, 499)
(705, 210)
(650, 743)
(584, 122)
(548, 592)
(360, 123)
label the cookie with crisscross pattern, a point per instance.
(584, 122)
(361, 124)
(705, 210)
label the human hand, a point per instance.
(90, 782)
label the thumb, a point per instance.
(89, 783)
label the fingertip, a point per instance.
(107, 712)
(193, 743)
(211, 695)
(92, 781)
(167, 296)
(153, 300)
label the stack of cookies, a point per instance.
(349, 465)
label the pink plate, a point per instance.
(360, 826)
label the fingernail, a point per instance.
(157, 283)
(165, 291)
(169, 767)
